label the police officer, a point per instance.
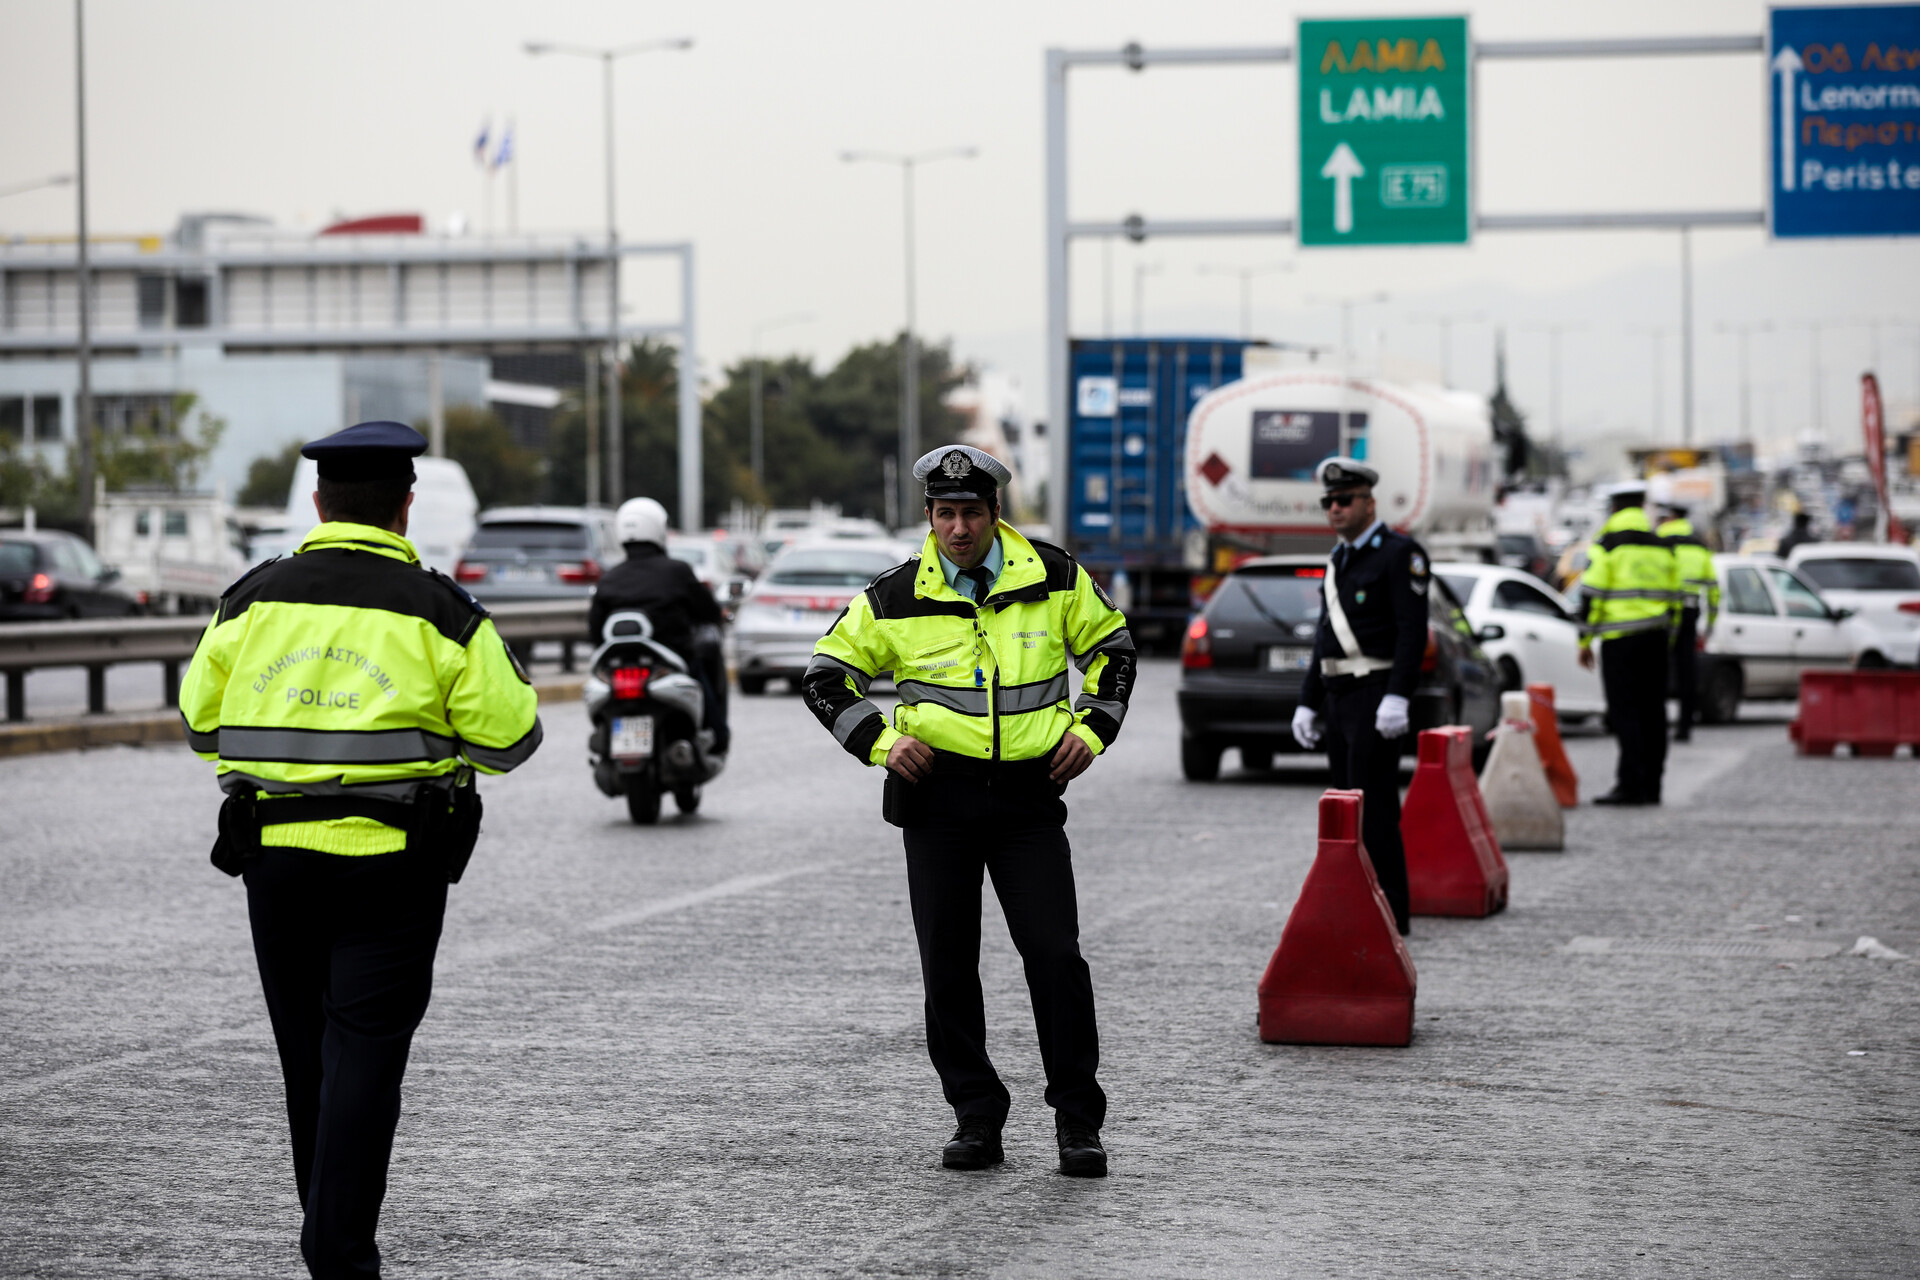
(348, 696)
(1700, 591)
(1366, 662)
(980, 631)
(674, 600)
(1631, 594)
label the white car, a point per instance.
(1881, 584)
(796, 600)
(1773, 625)
(1528, 629)
(715, 561)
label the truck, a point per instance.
(175, 551)
(1252, 446)
(1128, 518)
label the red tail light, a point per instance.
(1909, 606)
(1196, 651)
(464, 572)
(586, 573)
(630, 683)
(1430, 660)
(40, 590)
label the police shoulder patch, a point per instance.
(1101, 592)
(1417, 563)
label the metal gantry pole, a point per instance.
(616, 488)
(909, 356)
(83, 428)
(1058, 423)
(687, 381)
(1686, 336)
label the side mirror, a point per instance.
(109, 573)
(1841, 615)
(1492, 631)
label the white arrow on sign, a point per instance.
(1343, 167)
(1786, 62)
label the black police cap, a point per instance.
(368, 451)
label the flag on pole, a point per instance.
(480, 143)
(505, 153)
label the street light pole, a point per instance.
(1446, 323)
(756, 447)
(1347, 303)
(909, 344)
(607, 56)
(1141, 270)
(38, 184)
(1246, 275)
(1745, 332)
(83, 429)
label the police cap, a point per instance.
(1345, 473)
(1628, 493)
(961, 471)
(368, 451)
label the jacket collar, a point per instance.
(1020, 567)
(339, 535)
(1632, 518)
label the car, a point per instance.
(1880, 583)
(1773, 625)
(1245, 657)
(538, 553)
(47, 574)
(1529, 630)
(796, 600)
(716, 561)
(1519, 550)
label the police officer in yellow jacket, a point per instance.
(1700, 595)
(348, 696)
(982, 631)
(1631, 590)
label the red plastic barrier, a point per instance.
(1454, 867)
(1341, 974)
(1871, 711)
(1553, 752)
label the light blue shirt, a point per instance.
(994, 561)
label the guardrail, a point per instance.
(97, 644)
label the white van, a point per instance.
(439, 525)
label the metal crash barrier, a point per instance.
(99, 643)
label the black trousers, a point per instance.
(1686, 667)
(1032, 869)
(345, 947)
(1633, 672)
(1360, 758)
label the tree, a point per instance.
(270, 477)
(502, 471)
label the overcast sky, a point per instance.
(304, 112)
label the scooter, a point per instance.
(648, 712)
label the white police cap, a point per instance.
(1344, 473)
(1636, 489)
(961, 471)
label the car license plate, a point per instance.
(1289, 657)
(632, 737)
(519, 573)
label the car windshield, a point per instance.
(1461, 584)
(831, 567)
(16, 557)
(694, 554)
(1280, 598)
(1862, 573)
(533, 536)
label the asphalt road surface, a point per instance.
(697, 1049)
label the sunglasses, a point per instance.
(1332, 500)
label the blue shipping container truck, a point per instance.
(1127, 495)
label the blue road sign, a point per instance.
(1845, 121)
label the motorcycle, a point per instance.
(648, 715)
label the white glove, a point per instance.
(1391, 720)
(1306, 727)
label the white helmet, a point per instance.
(641, 520)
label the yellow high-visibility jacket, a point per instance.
(349, 670)
(1632, 580)
(1695, 559)
(989, 681)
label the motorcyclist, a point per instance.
(674, 600)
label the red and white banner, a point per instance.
(1873, 431)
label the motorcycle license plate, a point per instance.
(632, 737)
(1287, 657)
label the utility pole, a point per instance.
(1817, 415)
(909, 343)
(1245, 275)
(1554, 332)
(1446, 323)
(1745, 332)
(1686, 336)
(83, 429)
(1347, 303)
(756, 445)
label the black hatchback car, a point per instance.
(1245, 658)
(49, 574)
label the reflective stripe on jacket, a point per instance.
(991, 681)
(1632, 581)
(1695, 559)
(347, 669)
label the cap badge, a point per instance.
(955, 465)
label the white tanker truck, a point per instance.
(1252, 447)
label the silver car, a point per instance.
(538, 553)
(796, 600)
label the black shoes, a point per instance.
(975, 1145)
(1621, 798)
(1081, 1155)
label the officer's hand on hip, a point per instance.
(1390, 721)
(1306, 728)
(1070, 758)
(911, 758)
(1586, 659)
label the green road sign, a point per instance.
(1383, 132)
